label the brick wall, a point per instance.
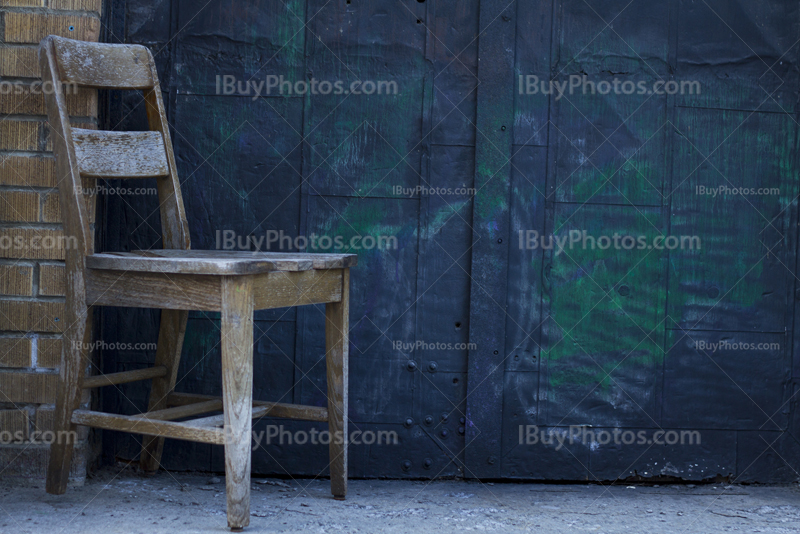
(31, 273)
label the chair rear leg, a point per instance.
(237, 394)
(168, 354)
(74, 359)
(337, 327)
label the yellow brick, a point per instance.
(22, 3)
(19, 61)
(28, 387)
(49, 354)
(19, 135)
(19, 206)
(52, 209)
(51, 280)
(34, 244)
(33, 27)
(15, 352)
(77, 5)
(19, 100)
(49, 142)
(15, 422)
(16, 280)
(33, 171)
(43, 422)
(44, 419)
(25, 99)
(81, 102)
(31, 316)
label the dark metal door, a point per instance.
(627, 323)
(469, 333)
(296, 163)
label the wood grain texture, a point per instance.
(182, 399)
(168, 355)
(180, 412)
(290, 411)
(283, 289)
(202, 292)
(77, 332)
(174, 228)
(274, 409)
(137, 425)
(237, 393)
(70, 186)
(68, 396)
(333, 261)
(153, 290)
(123, 377)
(337, 327)
(104, 154)
(219, 262)
(178, 279)
(103, 65)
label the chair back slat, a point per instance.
(88, 154)
(107, 66)
(102, 154)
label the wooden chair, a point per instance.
(175, 279)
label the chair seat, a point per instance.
(216, 262)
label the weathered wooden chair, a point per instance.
(175, 279)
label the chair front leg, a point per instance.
(237, 394)
(337, 328)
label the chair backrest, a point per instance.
(88, 154)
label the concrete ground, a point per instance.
(119, 501)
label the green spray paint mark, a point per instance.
(591, 316)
